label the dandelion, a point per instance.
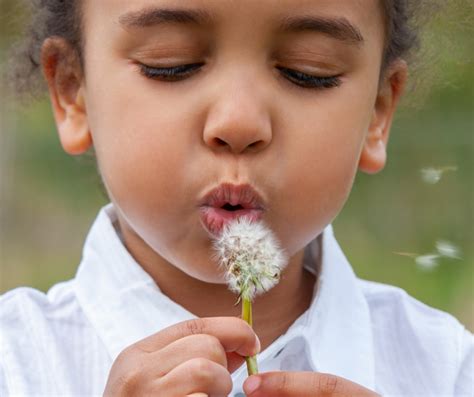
(253, 261)
(427, 262)
(430, 261)
(433, 175)
(447, 249)
(424, 262)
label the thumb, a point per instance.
(286, 384)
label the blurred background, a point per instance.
(410, 226)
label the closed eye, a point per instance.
(181, 72)
(174, 73)
(309, 81)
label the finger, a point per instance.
(303, 384)
(194, 346)
(196, 376)
(234, 361)
(187, 348)
(234, 334)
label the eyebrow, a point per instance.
(338, 28)
(156, 16)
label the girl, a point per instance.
(200, 111)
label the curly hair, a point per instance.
(403, 23)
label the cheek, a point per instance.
(148, 157)
(132, 150)
(128, 125)
(320, 173)
(141, 155)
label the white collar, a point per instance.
(124, 305)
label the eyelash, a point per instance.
(180, 72)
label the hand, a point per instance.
(303, 384)
(192, 358)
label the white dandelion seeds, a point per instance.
(433, 175)
(447, 249)
(253, 261)
(251, 257)
(427, 262)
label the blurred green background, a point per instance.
(49, 200)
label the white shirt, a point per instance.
(63, 343)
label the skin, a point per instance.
(161, 146)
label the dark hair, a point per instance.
(403, 22)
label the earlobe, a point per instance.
(74, 131)
(374, 152)
(62, 70)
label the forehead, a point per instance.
(360, 17)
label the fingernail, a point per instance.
(251, 384)
(258, 346)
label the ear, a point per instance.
(63, 73)
(374, 151)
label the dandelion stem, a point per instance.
(247, 311)
(251, 361)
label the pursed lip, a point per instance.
(227, 193)
(214, 217)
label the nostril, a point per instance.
(256, 143)
(235, 145)
(220, 142)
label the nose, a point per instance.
(239, 119)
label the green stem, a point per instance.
(252, 368)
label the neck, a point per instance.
(273, 313)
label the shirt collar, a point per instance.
(124, 305)
(338, 325)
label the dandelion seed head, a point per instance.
(427, 262)
(448, 249)
(431, 175)
(251, 257)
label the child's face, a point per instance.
(239, 118)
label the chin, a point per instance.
(201, 266)
(211, 276)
